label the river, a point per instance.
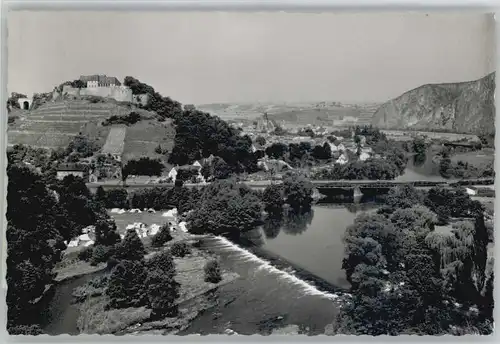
(291, 270)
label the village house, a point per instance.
(172, 174)
(364, 156)
(74, 169)
(342, 160)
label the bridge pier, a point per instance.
(357, 192)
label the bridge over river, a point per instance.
(325, 187)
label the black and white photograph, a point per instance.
(250, 173)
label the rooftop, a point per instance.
(101, 79)
(72, 167)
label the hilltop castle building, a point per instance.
(106, 87)
(100, 81)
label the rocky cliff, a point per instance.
(466, 107)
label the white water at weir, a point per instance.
(245, 255)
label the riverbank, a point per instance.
(195, 298)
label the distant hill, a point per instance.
(465, 107)
(297, 113)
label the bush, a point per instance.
(162, 261)
(162, 236)
(186, 174)
(180, 249)
(94, 287)
(25, 330)
(100, 254)
(117, 198)
(86, 254)
(129, 119)
(213, 272)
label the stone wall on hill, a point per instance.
(119, 93)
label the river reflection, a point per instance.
(310, 240)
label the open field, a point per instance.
(115, 140)
(129, 218)
(410, 134)
(476, 158)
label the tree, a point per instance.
(380, 229)
(297, 191)
(273, 199)
(105, 232)
(213, 272)
(34, 244)
(419, 148)
(163, 262)
(162, 291)
(143, 167)
(100, 254)
(322, 152)
(162, 236)
(186, 173)
(361, 250)
(126, 285)
(78, 206)
(100, 196)
(445, 167)
(276, 150)
(225, 207)
(117, 198)
(404, 196)
(138, 87)
(406, 277)
(221, 170)
(131, 247)
(78, 84)
(82, 145)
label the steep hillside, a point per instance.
(466, 107)
(54, 124)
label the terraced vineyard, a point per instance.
(55, 124)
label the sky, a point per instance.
(217, 57)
